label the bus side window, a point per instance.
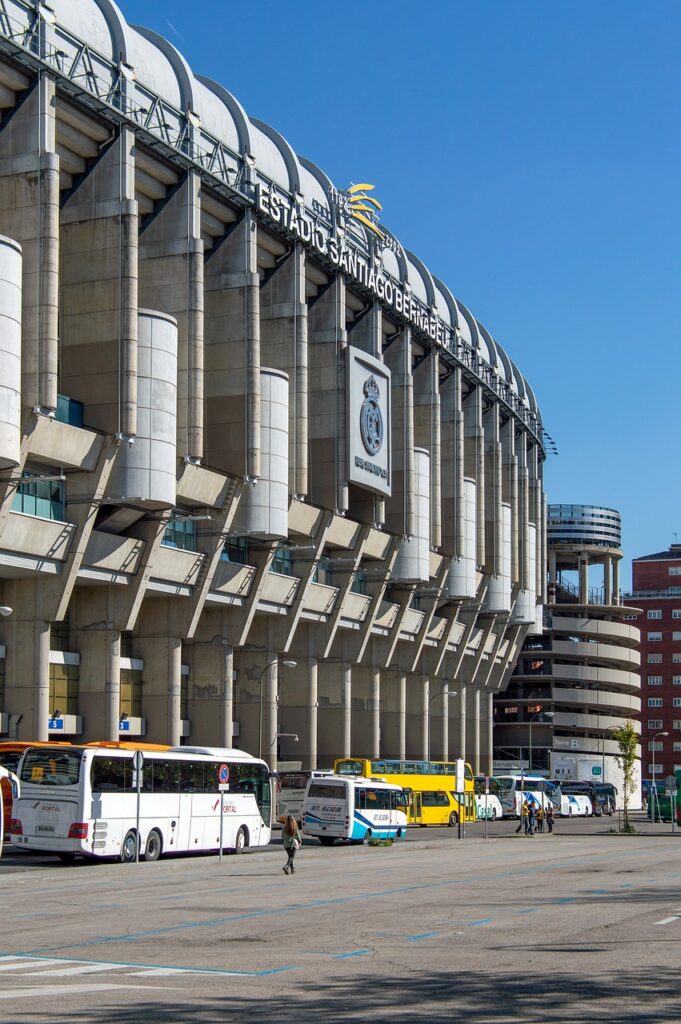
(108, 775)
(191, 777)
(360, 799)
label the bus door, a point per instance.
(414, 807)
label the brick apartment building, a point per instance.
(656, 585)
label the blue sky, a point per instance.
(529, 153)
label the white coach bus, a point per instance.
(82, 802)
(358, 809)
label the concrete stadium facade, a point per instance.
(241, 427)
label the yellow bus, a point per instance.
(438, 792)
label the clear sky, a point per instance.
(529, 153)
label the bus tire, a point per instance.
(453, 819)
(129, 847)
(66, 858)
(241, 841)
(366, 837)
(154, 845)
(494, 814)
(327, 840)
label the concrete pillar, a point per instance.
(400, 510)
(174, 690)
(475, 731)
(99, 256)
(312, 713)
(271, 707)
(284, 345)
(346, 708)
(583, 579)
(112, 684)
(171, 280)
(444, 724)
(427, 433)
(425, 727)
(375, 710)
(232, 352)
(474, 460)
(227, 706)
(488, 760)
(607, 580)
(402, 716)
(462, 721)
(41, 705)
(616, 580)
(328, 340)
(553, 573)
(29, 213)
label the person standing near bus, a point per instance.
(549, 817)
(290, 837)
(540, 819)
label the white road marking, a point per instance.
(668, 920)
(82, 969)
(48, 990)
(25, 962)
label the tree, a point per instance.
(627, 740)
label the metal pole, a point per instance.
(137, 821)
(222, 816)
(530, 751)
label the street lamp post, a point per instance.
(450, 693)
(656, 799)
(549, 715)
(287, 664)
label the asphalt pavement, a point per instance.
(582, 925)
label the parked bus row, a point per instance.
(507, 793)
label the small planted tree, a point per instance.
(627, 740)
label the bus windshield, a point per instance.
(52, 767)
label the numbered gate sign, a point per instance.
(223, 777)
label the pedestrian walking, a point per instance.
(540, 819)
(549, 817)
(290, 836)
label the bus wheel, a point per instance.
(494, 814)
(366, 837)
(241, 841)
(453, 819)
(326, 840)
(66, 858)
(152, 850)
(129, 847)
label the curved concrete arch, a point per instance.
(183, 72)
(425, 275)
(320, 177)
(451, 302)
(234, 109)
(117, 26)
(289, 157)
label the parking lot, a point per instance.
(582, 925)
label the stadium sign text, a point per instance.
(297, 221)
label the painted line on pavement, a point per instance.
(668, 920)
(423, 935)
(355, 952)
(24, 960)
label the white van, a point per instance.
(358, 809)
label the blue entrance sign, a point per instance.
(56, 725)
(223, 774)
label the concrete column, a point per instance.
(583, 579)
(476, 731)
(616, 581)
(425, 727)
(427, 433)
(327, 343)
(346, 709)
(271, 708)
(488, 765)
(99, 249)
(462, 721)
(112, 684)
(400, 506)
(607, 580)
(553, 572)
(402, 715)
(444, 725)
(227, 708)
(375, 707)
(174, 690)
(232, 352)
(312, 713)
(41, 706)
(29, 211)
(171, 280)
(474, 461)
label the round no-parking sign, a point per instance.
(223, 774)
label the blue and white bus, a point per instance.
(356, 809)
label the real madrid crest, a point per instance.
(370, 417)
